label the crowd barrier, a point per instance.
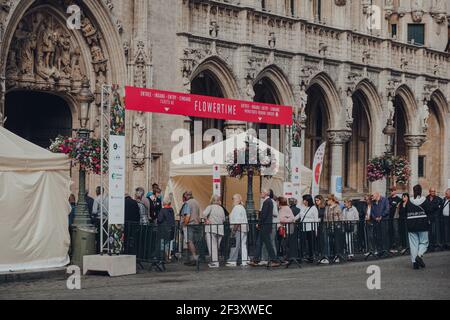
(322, 242)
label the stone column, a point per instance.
(337, 139)
(414, 142)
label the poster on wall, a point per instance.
(317, 169)
(337, 182)
(117, 174)
(296, 165)
(217, 181)
(288, 190)
(116, 180)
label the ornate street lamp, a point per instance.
(390, 132)
(85, 98)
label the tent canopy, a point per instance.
(194, 172)
(17, 154)
(34, 193)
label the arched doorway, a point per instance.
(207, 84)
(357, 150)
(37, 116)
(430, 154)
(265, 93)
(317, 127)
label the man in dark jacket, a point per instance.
(394, 202)
(265, 229)
(435, 227)
(380, 215)
(131, 210)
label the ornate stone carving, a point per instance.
(415, 141)
(139, 142)
(43, 55)
(141, 64)
(340, 3)
(417, 11)
(214, 29)
(424, 116)
(339, 137)
(349, 108)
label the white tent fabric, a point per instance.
(185, 174)
(34, 209)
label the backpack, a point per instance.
(417, 219)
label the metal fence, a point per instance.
(322, 242)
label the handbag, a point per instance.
(282, 231)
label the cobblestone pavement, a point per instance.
(345, 281)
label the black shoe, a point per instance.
(420, 262)
(191, 264)
(416, 266)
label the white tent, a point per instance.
(34, 209)
(185, 175)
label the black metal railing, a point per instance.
(320, 242)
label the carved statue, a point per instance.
(47, 43)
(391, 109)
(349, 106)
(425, 116)
(27, 52)
(249, 90)
(186, 81)
(75, 63)
(139, 139)
(63, 57)
(303, 99)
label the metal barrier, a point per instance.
(321, 242)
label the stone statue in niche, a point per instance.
(425, 116)
(391, 110)
(27, 53)
(48, 44)
(139, 139)
(77, 75)
(349, 107)
(63, 55)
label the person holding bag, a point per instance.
(239, 231)
(309, 220)
(418, 224)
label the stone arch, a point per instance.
(331, 96)
(280, 82)
(99, 16)
(222, 73)
(409, 105)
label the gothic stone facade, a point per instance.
(344, 77)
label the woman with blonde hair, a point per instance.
(239, 231)
(214, 218)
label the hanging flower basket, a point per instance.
(255, 164)
(396, 167)
(85, 152)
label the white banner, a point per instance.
(336, 182)
(296, 165)
(217, 181)
(317, 169)
(116, 180)
(288, 190)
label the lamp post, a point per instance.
(85, 98)
(251, 213)
(390, 132)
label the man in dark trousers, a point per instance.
(265, 229)
(380, 216)
(394, 202)
(435, 227)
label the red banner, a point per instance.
(156, 101)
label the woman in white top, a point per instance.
(309, 220)
(214, 218)
(239, 231)
(351, 218)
